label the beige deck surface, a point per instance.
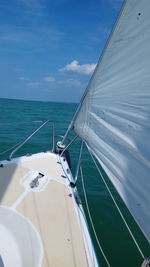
(51, 211)
(10, 188)
(48, 165)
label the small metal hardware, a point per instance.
(77, 198)
(35, 183)
(28, 155)
(79, 162)
(146, 262)
(73, 185)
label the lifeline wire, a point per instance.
(1, 153)
(92, 220)
(16, 123)
(140, 251)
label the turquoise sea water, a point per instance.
(15, 125)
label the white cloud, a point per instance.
(33, 3)
(71, 82)
(30, 36)
(74, 82)
(49, 79)
(86, 69)
(41, 83)
(34, 84)
(24, 79)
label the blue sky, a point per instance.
(49, 49)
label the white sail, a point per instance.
(114, 118)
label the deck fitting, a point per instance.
(73, 185)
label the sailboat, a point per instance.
(42, 222)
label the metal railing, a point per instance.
(30, 136)
(53, 144)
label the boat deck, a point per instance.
(52, 210)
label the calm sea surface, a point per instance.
(16, 118)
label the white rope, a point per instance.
(140, 251)
(92, 220)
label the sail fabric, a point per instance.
(114, 118)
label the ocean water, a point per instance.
(20, 118)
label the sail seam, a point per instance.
(120, 139)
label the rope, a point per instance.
(89, 214)
(3, 152)
(139, 249)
